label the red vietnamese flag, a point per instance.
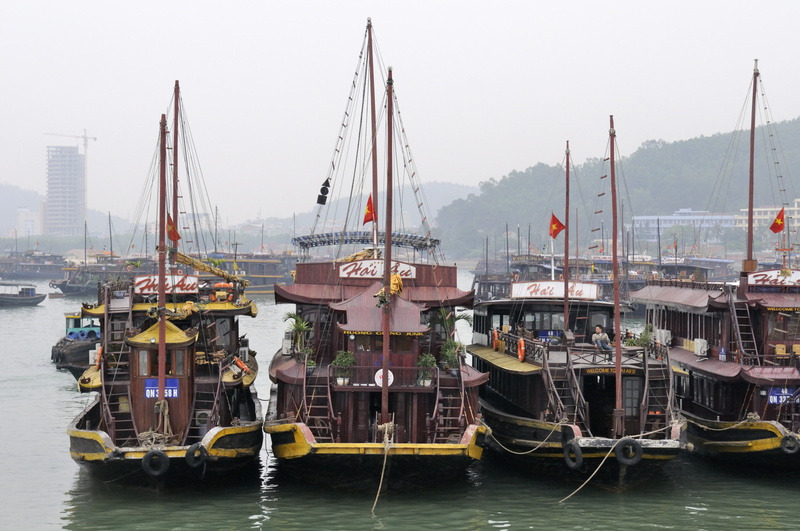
(778, 224)
(555, 226)
(172, 231)
(369, 213)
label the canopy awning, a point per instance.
(688, 299)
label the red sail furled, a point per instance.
(778, 224)
(555, 226)
(172, 231)
(369, 213)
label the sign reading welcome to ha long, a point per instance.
(553, 289)
(374, 269)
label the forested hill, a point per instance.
(659, 178)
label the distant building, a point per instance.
(764, 216)
(28, 223)
(647, 227)
(65, 203)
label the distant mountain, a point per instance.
(659, 178)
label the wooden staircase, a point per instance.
(317, 408)
(742, 328)
(450, 411)
(657, 406)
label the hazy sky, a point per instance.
(485, 87)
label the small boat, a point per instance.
(176, 402)
(357, 399)
(16, 294)
(76, 350)
(556, 402)
(736, 348)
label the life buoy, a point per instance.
(572, 447)
(495, 335)
(155, 463)
(241, 365)
(98, 358)
(129, 268)
(180, 271)
(628, 452)
(83, 334)
(72, 335)
(790, 444)
(516, 277)
(560, 277)
(521, 349)
(196, 455)
(222, 291)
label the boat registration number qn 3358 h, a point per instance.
(170, 388)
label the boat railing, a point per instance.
(370, 376)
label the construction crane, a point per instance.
(86, 139)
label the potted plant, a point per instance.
(343, 362)
(309, 361)
(426, 362)
(298, 328)
(449, 356)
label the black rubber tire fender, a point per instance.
(790, 444)
(196, 455)
(628, 451)
(160, 468)
(572, 447)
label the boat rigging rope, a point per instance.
(155, 437)
(388, 433)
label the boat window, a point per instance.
(402, 343)
(363, 343)
(144, 366)
(179, 357)
(223, 337)
(632, 390)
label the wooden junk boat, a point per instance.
(175, 399)
(358, 400)
(556, 403)
(737, 352)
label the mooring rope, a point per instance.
(509, 450)
(596, 470)
(388, 432)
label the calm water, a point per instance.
(42, 488)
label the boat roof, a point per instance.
(19, 284)
(775, 301)
(364, 316)
(331, 293)
(732, 371)
(174, 336)
(689, 297)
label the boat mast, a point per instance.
(566, 246)
(110, 236)
(619, 411)
(387, 256)
(175, 168)
(373, 155)
(749, 264)
(162, 259)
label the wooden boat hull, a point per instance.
(361, 465)
(21, 301)
(545, 447)
(225, 449)
(752, 443)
